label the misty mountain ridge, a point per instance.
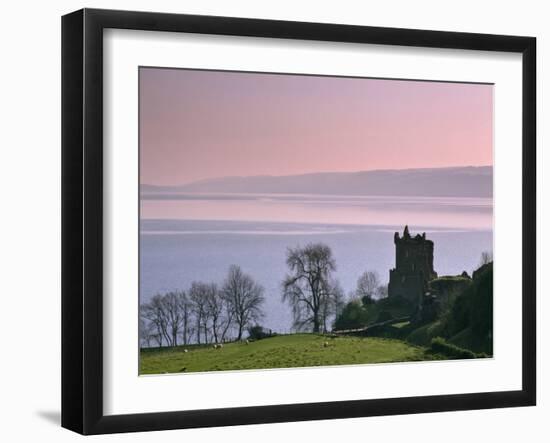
(466, 181)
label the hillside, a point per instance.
(285, 351)
(466, 181)
(463, 319)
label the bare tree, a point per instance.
(154, 313)
(147, 333)
(199, 295)
(309, 288)
(244, 299)
(367, 286)
(486, 257)
(167, 314)
(227, 321)
(185, 312)
(173, 304)
(215, 308)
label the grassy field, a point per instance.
(285, 351)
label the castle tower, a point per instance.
(414, 257)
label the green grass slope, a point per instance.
(285, 351)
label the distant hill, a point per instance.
(466, 181)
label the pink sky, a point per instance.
(205, 124)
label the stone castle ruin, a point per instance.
(414, 258)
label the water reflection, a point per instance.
(441, 212)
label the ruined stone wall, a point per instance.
(409, 286)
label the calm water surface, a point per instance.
(187, 237)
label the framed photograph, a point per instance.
(268, 221)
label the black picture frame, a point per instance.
(82, 218)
